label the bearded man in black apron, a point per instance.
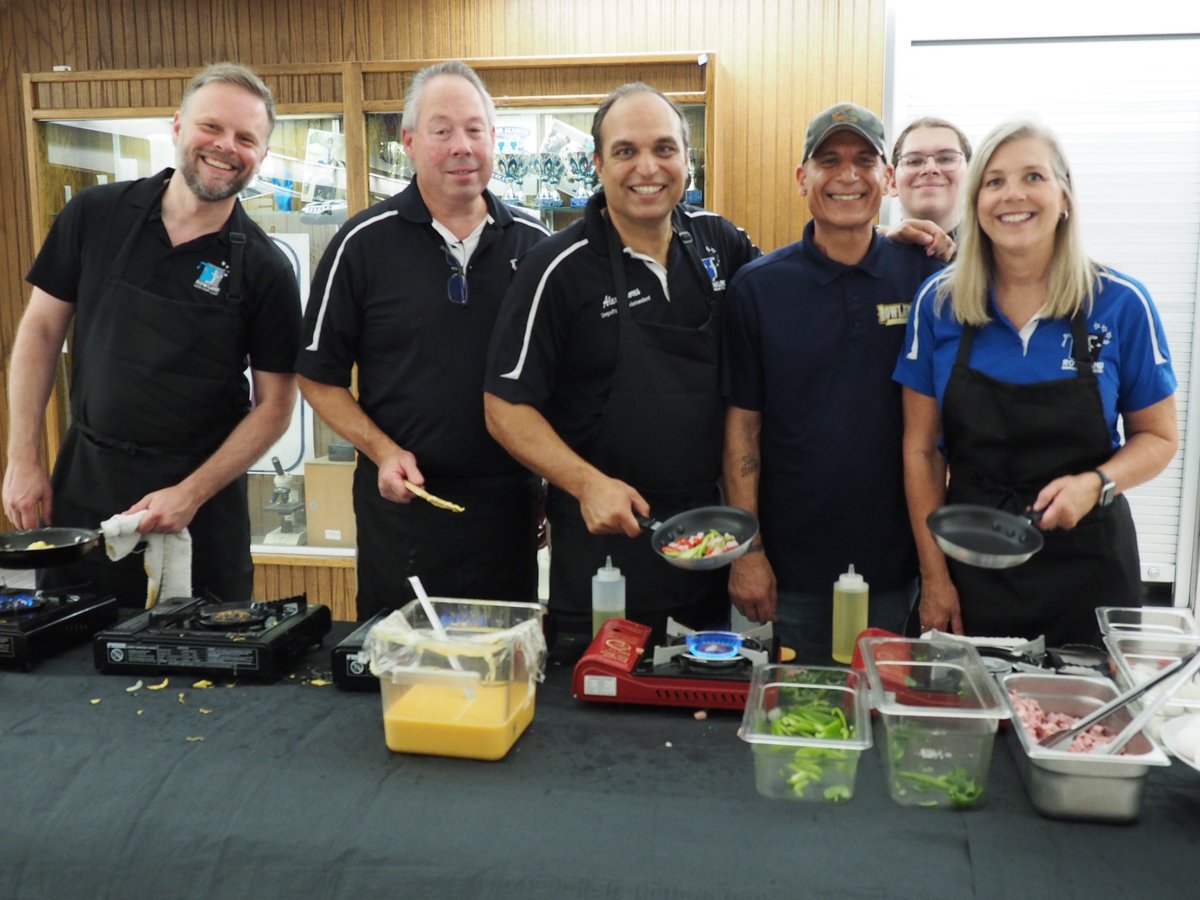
(173, 291)
(602, 375)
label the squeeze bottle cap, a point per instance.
(851, 580)
(608, 572)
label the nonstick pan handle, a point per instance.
(648, 522)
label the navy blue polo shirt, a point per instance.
(811, 344)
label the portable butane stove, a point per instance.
(34, 624)
(709, 669)
(260, 639)
(349, 671)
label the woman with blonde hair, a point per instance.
(1018, 363)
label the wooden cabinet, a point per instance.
(328, 502)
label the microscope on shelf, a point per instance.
(287, 500)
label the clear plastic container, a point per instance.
(940, 709)
(805, 766)
(469, 694)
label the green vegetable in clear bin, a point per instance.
(815, 717)
(957, 785)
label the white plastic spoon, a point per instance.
(436, 623)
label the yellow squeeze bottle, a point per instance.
(608, 595)
(849, 613)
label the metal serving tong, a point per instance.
(1184, 668)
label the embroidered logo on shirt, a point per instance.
(893, 313)
(711, 264)
(1097, 341)
(211, 276)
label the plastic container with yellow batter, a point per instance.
(470, 694)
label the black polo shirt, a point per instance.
(556, 341)
(379, 300)
(88, 234)
(811, 344)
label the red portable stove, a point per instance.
(708, 669)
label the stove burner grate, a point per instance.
(235, 618)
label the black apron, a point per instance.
(175, 368)
(1005, 442)
(662, 433)
(487, 552)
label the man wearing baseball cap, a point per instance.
(813, 426)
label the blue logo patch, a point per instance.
(211, 276)
(710, 266)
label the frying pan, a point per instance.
(65, 545)
(741, 524)
(985, 537)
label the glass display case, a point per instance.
(543, 159)
(298, 198)
(337, 148)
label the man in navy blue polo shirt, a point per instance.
(408, 291)
(813, 427)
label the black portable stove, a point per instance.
(709, 669)
(36, 624)
(258, 640)
(349, 672)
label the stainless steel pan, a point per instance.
(985, 537)
(62, 545)
(742, 524)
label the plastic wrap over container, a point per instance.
(471, 693)
(940, 709)
(808, 726)
(1086, 786)
(1138, 657)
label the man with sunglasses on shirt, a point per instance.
(408, 291)
(603, 372)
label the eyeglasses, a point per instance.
(943, 159)
(456, 287)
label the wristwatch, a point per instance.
(1108, 489)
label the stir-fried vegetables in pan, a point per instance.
(700, 545)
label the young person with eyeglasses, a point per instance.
(408, 291)
(929, 161)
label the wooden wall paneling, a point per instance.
(357, 187)
(804, 54)
(329, 581)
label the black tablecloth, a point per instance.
(292, 793)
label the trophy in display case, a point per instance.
(513, 166)
(549, 169)
(583, 175)
(693, 194)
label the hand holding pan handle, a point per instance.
(985, 537)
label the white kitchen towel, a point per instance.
(167, 561)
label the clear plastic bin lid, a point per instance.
(821, 692)
(931, 677)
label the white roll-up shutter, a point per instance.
(1128, 112)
